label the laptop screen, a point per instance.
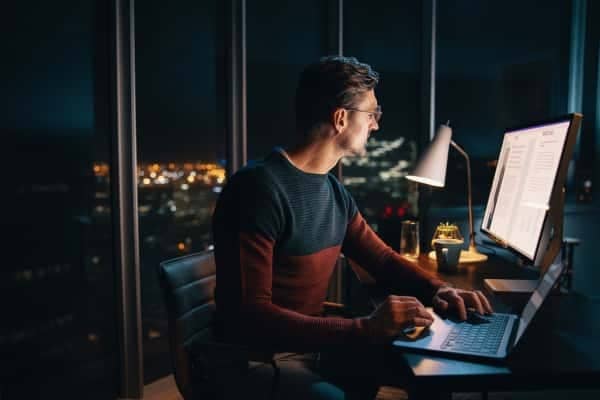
(538, 296)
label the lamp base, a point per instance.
(466, 256)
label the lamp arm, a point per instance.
(469, 202)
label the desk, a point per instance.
(561, 348)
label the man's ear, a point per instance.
(340, 119)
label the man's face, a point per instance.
(361, 121)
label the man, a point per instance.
(280, 225)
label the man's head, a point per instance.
(338, 91)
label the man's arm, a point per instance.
(391, 270)
(388, 268)
(279, 329)
(275, 326)
(245, 237)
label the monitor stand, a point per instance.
(549, 248)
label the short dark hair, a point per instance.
(332, 82)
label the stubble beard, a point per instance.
(362, 150)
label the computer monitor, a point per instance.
(528, 185)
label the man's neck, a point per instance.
(315, 156)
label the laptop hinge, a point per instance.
(513, 335)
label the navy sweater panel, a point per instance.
(302, 212)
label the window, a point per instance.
(390, 41)
(589, 143)
(499, 64)
(181, 148)
(57, 290)
(282, 38)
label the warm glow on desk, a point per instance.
(431, 170)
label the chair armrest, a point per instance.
(336, 309)
(330, 305)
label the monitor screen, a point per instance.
(526, 172)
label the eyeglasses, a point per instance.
(376, 114)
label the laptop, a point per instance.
(491, 337)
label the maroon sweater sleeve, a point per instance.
(274, 326)
(389, 269)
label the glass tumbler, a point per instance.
(409, 239)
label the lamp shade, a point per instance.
(431, 168)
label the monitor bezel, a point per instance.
(574, 120)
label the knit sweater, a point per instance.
(278, 232)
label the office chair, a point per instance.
(188, 285)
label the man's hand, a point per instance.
(457, 301)
(396, 314)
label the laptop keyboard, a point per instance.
(483, 337)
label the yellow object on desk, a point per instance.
(447, 230)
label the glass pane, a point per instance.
(587, 176)
(181, 146)
(282, 38)
(390, 41)
(498, 64)
(57, 282)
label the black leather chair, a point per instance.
(188, 285)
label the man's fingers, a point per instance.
(423, 321)
(419, 304)
(407, 311)
(472, 300)
(403, 305)
(440, 305)
(457, 302)
(485, 302)
(423, 313)
(411, 311)
(396, 297)
(402, 315)
(404, 299)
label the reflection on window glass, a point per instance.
(181, 148)
(390, 41)
(499, 64)
(57, 284)
(282, 38)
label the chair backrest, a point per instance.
(188, 285)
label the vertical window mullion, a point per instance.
(124, 203)
(235, 82)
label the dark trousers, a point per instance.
(345, 373)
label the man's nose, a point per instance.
(375, 125)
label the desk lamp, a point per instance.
(431, 170)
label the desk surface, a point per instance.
(560, 349)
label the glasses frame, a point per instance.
(375, 114)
